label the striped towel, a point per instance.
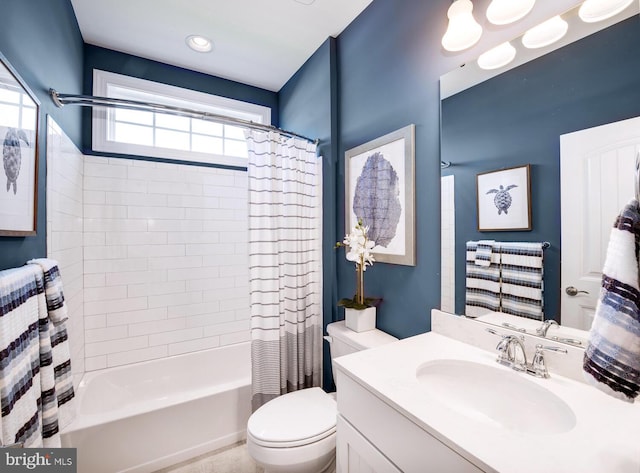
(522, 279)
(53, 289)
(35, 382)
(482, 283)
(20, 357)
(483, 252)
(612, 357)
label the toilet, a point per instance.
(296, 432)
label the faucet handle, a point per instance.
(539, 365)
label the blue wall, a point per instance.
(389, 64)
(121, 63)
(517, 118)
(308, 105)
(44, 46)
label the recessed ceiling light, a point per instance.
(305, 2)
(199, 43)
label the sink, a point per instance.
(496, 396)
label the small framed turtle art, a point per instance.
(19, 115)
(380, 192)
(504, 200)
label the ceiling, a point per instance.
(256, 42)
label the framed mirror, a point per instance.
(19, 117)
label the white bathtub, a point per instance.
(146, 416)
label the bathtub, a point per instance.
(146, 416)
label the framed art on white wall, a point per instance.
(504, 199)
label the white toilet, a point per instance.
(296, 432)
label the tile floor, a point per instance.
(234, 459)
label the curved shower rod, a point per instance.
(92, 101)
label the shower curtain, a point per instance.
(285, 264)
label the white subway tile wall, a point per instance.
(165, 260)
(448, 236)
(64, 233)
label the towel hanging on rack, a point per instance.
(35, 375)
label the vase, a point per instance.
(360, 320)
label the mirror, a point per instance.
(516, 117)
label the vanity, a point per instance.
(439, 402)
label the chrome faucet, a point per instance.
(511, 352)
(542, 330)
(516, 353)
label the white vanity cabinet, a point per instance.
(373, 437)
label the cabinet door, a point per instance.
(355, 454)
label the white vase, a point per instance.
(360, 320)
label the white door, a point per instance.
(597, 173)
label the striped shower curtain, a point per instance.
(285, 264)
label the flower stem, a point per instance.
(359, 284)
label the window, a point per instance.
(17, 110)
(157, 134)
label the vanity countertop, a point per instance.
(603, 440)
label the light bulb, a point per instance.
(503, 12)
(592, 11)
(545, 33)
(497, 57)
(463, 30)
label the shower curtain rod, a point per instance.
(92, 101)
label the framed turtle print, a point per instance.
(18, 136)
(504, 199)
(379, 190)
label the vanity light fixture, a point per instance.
(592, 11)
(545, 33)
(497, 57)
(463, 30)
(199, 43)
(503, 12)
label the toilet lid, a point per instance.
(294, 419)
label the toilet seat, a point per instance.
(294, 419)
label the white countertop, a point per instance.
(605, 439)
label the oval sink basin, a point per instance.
(495, 396)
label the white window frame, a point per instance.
(174, 96)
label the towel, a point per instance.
(53, 289)
(482, 283)
(612, 358)
(522, 279)
(20, 386)
(483, 252)
(55, 342)
(36, 388)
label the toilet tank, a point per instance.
(343, 340)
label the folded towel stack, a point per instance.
(612, 357)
